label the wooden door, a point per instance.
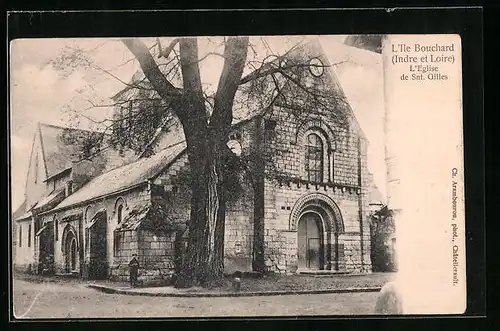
(98, 249)
(310, 247)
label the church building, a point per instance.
(302, 203)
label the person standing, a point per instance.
(134, 269)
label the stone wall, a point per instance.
(238, 240)
(155, 252)
(131, 199)
(126, 243)
(281, 238)
(25, 260)
(345, 181)
(156, 256)
(176, 195)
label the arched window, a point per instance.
(119, 205)
(88, 215)
(314, 158)
(120, 213)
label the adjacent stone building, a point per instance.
(301, 202)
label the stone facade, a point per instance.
(340, 200)
(25, 259)
(279, 218)
(343, 189)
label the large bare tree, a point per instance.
(206, 121)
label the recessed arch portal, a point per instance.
(310, 244)
(70, 249)
(321, 204)
(318, 222)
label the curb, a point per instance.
(111, 290)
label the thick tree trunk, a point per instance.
(206, 141)
(194, 122)
(216, 212)
(204, 264)
(194, 261)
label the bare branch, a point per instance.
(164, 88)
(261, 72)
(166, 52)
(210, 53)
(118, 79)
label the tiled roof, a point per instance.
(134, 218)
(51, 198)
(58, 152)
(124, 177)
(153, 216)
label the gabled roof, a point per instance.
(20, 210)
(59, 153)
(125, 177)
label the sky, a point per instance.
(40, 92)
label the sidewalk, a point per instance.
(203, 293)
(279, 285)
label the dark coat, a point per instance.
(133, 265)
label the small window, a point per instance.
(20, 236)
(29, 235)
(120, 213)
(269, 130)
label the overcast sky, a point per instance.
(40, 93)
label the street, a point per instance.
(74, 300)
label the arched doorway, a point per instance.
(314, 216)
(97, 246)
(310, 242)
(70, 252)
(46, 248)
